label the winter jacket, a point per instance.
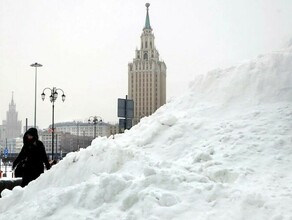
(34, 156)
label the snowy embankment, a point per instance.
(222, 151)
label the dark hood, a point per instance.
(33, 132)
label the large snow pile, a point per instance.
(223, 151)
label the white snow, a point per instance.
(223, 151)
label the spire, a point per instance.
(12, 105)
(12, 100)
(147, 21)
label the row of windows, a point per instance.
(140, 100)
(146, 89)
(145, 75)
(75, 129)
(143, 80)
(145, 103)
(144, 92)
(146, 86)
(146, 44)
(142, 95)
(141, 112)
(139, 68)
(143, 66)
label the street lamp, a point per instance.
(94, 120)
(53, 98)
(35, 65)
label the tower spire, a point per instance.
(147, 21)
(151, 94)
(12, 100)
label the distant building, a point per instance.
(2, 134)
(64, 142)
(114, 129)
(18, 145)
(71, 136)
(14, 145)
(46, 137)
(146, 76)
(83, 128)
(11, 127)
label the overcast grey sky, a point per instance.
(85, 46)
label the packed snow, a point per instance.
(223, 151)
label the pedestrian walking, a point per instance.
(32, 157)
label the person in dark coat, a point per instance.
(34, 155)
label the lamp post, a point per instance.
(94, 120)
(35, 65)
(53, 98)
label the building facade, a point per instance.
(64, 142)
(84, 128)
(14, 145)
(146, 76)
(2, 135)
(71, 136)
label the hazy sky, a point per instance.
(85, 46)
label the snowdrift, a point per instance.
(222, 151)
(266, 79)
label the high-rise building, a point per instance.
(146, 76)
(11, 124)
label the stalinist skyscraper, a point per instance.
(12, 124)
(146, 76)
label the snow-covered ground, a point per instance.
(221, 152)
